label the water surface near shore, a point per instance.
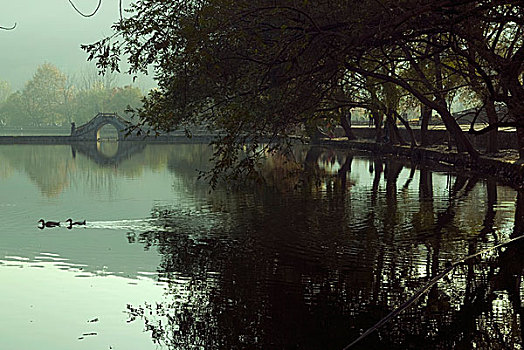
(305, 261)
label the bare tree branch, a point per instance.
(120, 10)
(83, 14)
(77, 10)
(8, 28)
(493, 127)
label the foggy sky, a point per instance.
(51, 31)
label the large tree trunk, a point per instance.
(345, 121)
(392, 135)
(491, 112)
(516, 113)
(425, 117)
(408, 128)
(520, 140)
(462, 142)
(510, 81)
(378, 124)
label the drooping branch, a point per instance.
(475, 117)
(83, 14)
(120, 10)
(8, 28)
(77, 10)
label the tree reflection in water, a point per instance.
(314, 266)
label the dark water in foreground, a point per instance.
(304, 262)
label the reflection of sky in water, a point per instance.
(55, 280)
(55, 302)
(214, 255)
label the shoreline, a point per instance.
(66, 140)
(503, 165)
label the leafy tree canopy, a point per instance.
(257, 70)
(5, 90)
(52, 98)
(43, 95)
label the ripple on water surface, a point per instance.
(254, 268)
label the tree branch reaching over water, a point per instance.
(493, 127)
(83, 14)
(77, 10)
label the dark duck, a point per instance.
(43, 223)
(71, 223)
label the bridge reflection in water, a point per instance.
(107, 152)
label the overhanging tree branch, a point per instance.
(83, 14)
(8, 28)
(490, 127)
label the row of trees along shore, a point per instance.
(51, 98)
(259, 69)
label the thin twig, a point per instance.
(83, 14)
(120, 10)
(8, 28)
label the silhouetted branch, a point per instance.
(120, 10)
(475, 117)
(9, 28)
(408, 128)
(83, 14)
(493, 126)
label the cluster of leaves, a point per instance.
(52, 98)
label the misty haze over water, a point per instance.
(51, 31)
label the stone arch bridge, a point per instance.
(90, 131)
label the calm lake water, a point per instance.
(309, 260)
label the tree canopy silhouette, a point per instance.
(258, 70)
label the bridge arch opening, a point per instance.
(107, 132)
(103, 126)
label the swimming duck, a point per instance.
(70, 223)
(47, 223)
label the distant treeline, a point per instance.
(52, 98)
